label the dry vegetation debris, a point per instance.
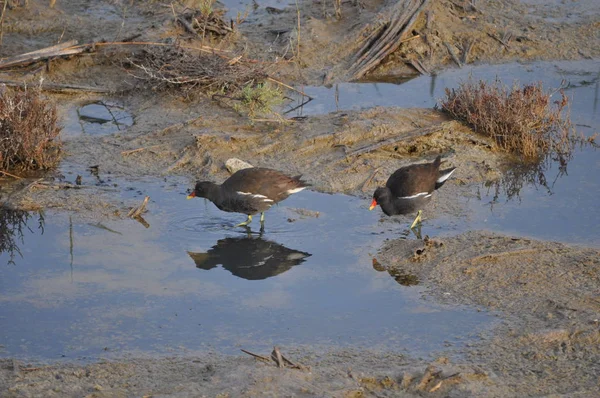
(29, 130)
(243, 84)
(521, 120)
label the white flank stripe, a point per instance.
(291, 191)
(445, 177)
(255, 195)
(426, 194)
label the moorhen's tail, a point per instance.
(443, 176)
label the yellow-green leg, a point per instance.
(417, 220)
(245, 223)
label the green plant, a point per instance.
(259, 99)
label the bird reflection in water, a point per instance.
(399, 275)
(252, 258)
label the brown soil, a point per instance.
(547, 342)
(546, 292)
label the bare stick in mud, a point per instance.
(262, 358)
(137, 211)
(452, 54)
(59, 50)
(292, 364)
(289, 87)
(45, 86)
(10, 175)
(368, 181)
(466, 50)
(276, 356)
(415, 63)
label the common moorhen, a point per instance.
(249, 191)
(410, 188)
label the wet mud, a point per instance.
(544, 293)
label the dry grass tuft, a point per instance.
(29, 130)
(522, 120)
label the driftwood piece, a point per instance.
(58, 50)
(392, 140)
(57, 87)
(386, 38)
(137, 211)
(278, 358)
(415, 63)
(452, 54)
(262, 358)
(466, 50)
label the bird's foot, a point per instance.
(245, 223)
(417, 220)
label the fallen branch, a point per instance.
(411, 134)
(415, 63)
(262, 358)
(57, 87)
(452, 54)
(11, 175)
(278, 358)
(466, 50)
(59, 50)
(136, 211)
(368, 181)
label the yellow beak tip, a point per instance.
(371, 207)
(189, 197)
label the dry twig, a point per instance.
(137, 211)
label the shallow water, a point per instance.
(566, 209)
(96, 118)
(192, 282)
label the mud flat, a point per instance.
(544, 293)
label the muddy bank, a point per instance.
(546, 343)
(350, 152)
(546, 292)
(444, 33)
(338, 373)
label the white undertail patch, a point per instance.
(255, 195)
(444, 177)
(415, 196)
(291, 191)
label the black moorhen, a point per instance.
(410, 188)
(249, 191)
